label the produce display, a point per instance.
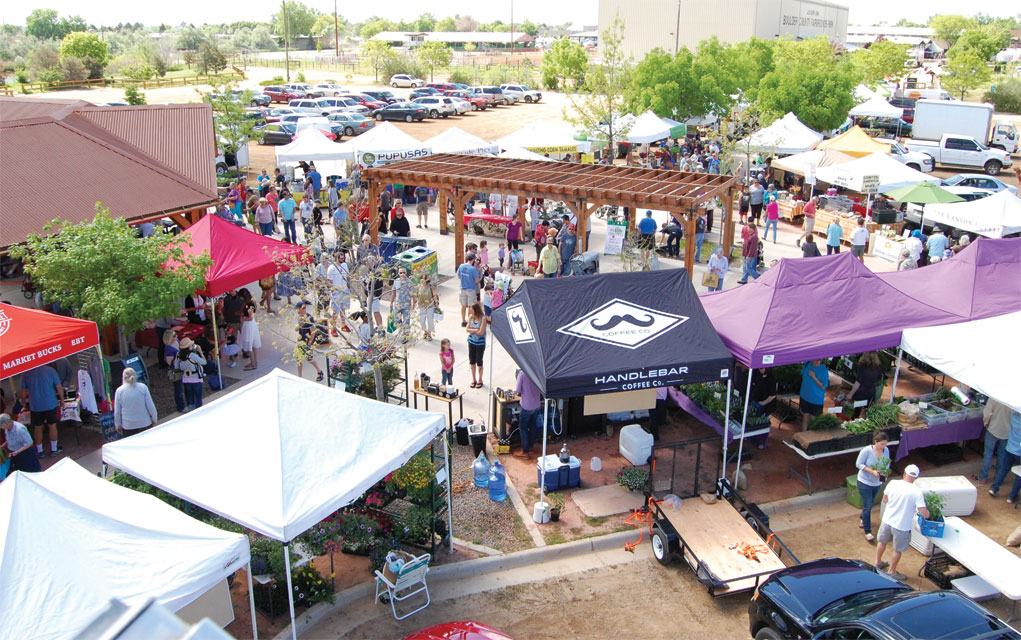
(712, 398)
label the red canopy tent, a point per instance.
(239, 256)
(30, 338)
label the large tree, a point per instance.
(434, 54)
(425, 22)
(299, 19)
(563, 65)
(882, 59)
(984, 40)
(190, 39)
(377, 52)
(45, 25)
(965, 70)
(667, 85)
(446, 24)
(104, 272)
(949, 28)
(820, 99)
(374, 26)
(231, 123)
(88, 48)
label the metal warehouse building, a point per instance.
(672, 24)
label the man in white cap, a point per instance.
(902, 499)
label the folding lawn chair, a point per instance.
(410, 581)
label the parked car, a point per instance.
(460, 86)
(476, 103)
(488, 97)
(308, 106)
(423, 92)
(255, 114)
(351, 105)
(352, 123)
(404, 80)
(279, 93)
(497, 94)
(318, 122)
(462, 105)
(442, 87)
(521, 92)
(908, 105)
(962, 151)
(835, 598)
(366, 100)
(257, 99)
(383, 96)
(914, 213)
(979, 181)
(330, 88)
(406, 111)
(889, 126)
(310, 91)
(913, 159)
(274, 115)
(277, 133)
(459, 630)
(437, 106)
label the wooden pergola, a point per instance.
(581, 187)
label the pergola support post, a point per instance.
(459, 200)
(689, 244)
(728, 222)
(441, 203)
(373, 204)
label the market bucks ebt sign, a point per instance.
(380, 158)
(622, 324)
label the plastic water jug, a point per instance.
(394, 562)
(481, 468)
(497, 482)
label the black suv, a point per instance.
(835, 598)
(383, 96)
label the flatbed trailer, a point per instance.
(710, 538)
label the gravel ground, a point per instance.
(478, 519)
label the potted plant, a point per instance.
(633, 478)
(556, 503)
(933, 526)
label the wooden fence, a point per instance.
(154, 83)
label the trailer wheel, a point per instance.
(661, 547)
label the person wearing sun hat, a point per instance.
(190, 362)
(902, 499)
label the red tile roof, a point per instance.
(61, 157)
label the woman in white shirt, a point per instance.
(133, 409)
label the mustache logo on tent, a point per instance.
(622, 324)
(519, 321)
(521, 328)
(627, 317)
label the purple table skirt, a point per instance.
(699, 414)
(940, 434)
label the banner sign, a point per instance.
(616, 230)
(561, 148)
(380, 158)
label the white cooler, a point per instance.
(961, 497)
(635, 444)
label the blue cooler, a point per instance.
(559, 475)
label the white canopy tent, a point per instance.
(70, 541)
(311, 145)
(993, 216)
(982, 354)
(800, 163)
(279, 454)
(876, 107)
(891, 173)
(647, 128)
(543, 136)
(383, 144)
(785, 136)
(455, 140)
(520, 153)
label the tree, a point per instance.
(378, 52)
(965, 70)
(467, 23)
(820, 99)
(210, 59)
(107, 274)
(190, 39)
(43, 24)
(300, 20)
(375, 26)
(529, 27)
(425, 22)
(74, 69)
(904, 22)
(133, 96)
(949, 28)
(882, 59)
(434, 54)
(563, 65)
(985, 40)
(600, 103)
(42, 59)
(231, 124)
(446, 24)
(88, 48)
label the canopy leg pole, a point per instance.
(744, 421)
(216, 345)
(542, 476)
(450, 480)
(489, 404)
(251, 601)
(896, 374)
(290, 590)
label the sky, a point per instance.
(580, 12)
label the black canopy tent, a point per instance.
(611, 332)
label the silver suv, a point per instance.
(437, 106)
(496, 94)
(521, 92)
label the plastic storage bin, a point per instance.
(635, 444)
(854, 497)
(418, 260)
(961, 495)
(558, 475)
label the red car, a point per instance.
(365, 100)
(459, 630)
(442, 86)
(278, 93)
(477, 102)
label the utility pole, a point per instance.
(287, 40)
(677, 30)
(336, 29)
(512, 26)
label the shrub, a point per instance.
(133, 96)
(633, 478)
(400, 64)
(1007, 96)
(175, 67)
(74, 69)
(50, 75)
(301, 77)
(273, 80)
(21, 75)
(418, 524)
(462, 76)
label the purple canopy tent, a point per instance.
(981, 281)
(813, 308)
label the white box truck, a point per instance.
(934, 118)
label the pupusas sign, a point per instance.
(380, 158)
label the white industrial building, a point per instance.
(672, 24)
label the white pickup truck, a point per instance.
(915, 159)
(962, 151)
